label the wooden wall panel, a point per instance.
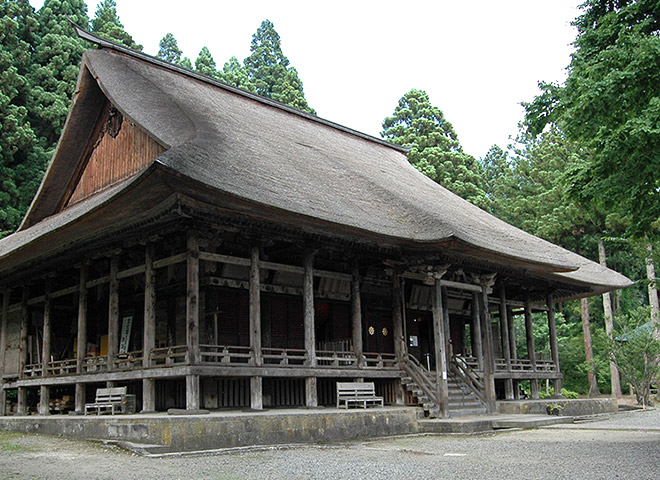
(120, 151)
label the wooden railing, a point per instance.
(226, 354)
(284, 356)
(381, 360)
(468, 375)
(332, 358)
(62, 367)
(424, 379)
(95, 364)
(517, 365)
(166, 356)
(128, 360)
(214, 355)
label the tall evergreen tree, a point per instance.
(168, 49)
(268, 69)
(610, 103)
(434, 147)
(106, 24)
(57, 52)
(22, 158)
(205, 63)
(233, 73)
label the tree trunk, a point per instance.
(653, 292)
(609, 322)
(588, 349)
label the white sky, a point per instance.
(476, 59)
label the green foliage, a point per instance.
(434, 147)
(268, 71)
(233, 73)
(205, 63)
(610, 104)
(57, 55)
(168, 49)
(637, 352)
(106, 24)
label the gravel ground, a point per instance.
(626, 446)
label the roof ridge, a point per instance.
(108, 44)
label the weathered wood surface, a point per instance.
(114, 159)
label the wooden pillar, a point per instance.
(3, 402)
(255, 306)
(476, 332)
(22, 344)
(81, 347)
(149, 395)
(311, 395)
(6, 298)
(256, 383)
(46, 341)
(192, 392)
(529, 332)
(356, 316)
(21, 406)
(449, 352)
(554, 348)
(256, 395)
(149, 336)
(79, 398)
(192, 302)
(113, 312)
(506, 343)
(512, 346)
(397, 318)
(440, 357)
(489, 359)
(308, 308)
(44, 400)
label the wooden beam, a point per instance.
(149, 336)
(475, 332)
(46, 340)
(81, 347)
(22, 343)
(192, 299)
(529, 333)
(489, 356)
(397, 318)
(506, 344)
(113, 312)
(6, 299)
(554, 348)
(356, 316)
(80, 398)
(440, 356)
(256, 393)
(255, 306)
(44, 400)
(308, 308)
(148, 395)
(192, 392)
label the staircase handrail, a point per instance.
(462, 370)
(422, 377)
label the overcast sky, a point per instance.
(476, 59)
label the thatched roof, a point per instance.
(290, 164)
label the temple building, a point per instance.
(208, 248)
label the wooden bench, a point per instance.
(107, 399)
(360, 394)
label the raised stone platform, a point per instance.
(162, 433)
(572, 407)
(227, 429)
